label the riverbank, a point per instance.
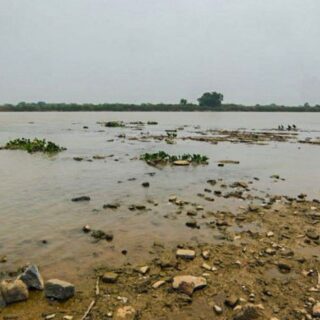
(72, 107)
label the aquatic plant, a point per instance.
(35, 145)
(114, 124)
(163, 158)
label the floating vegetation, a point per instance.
(114, 124)
(163, 158)
(35, 145)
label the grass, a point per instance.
(31, 146)
(163, 158)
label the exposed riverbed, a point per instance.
(41, 225)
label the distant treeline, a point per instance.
(42, 106)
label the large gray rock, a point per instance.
(58, 289)
(32, 278)
(14, 291)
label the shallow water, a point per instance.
(35, 190)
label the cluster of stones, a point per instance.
(16, 290)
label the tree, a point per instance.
(183, 102)
(210, 99)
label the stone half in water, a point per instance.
(181, 163)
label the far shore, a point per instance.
(72, 107)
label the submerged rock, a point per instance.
(32, 278)
(82, 198)
(58, 289)
(14, 291)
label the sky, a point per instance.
(140, 51)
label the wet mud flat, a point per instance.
(229, 248)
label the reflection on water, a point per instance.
(35, 190)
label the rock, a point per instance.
(50, 316)
(125, 313)
(2, 301)
(100, 235)
(249, 312)
(172, 198)
(111, 206)
(86, 228)
(110, 277)
(207, 267)
(316, 310)
(192, 224)
(231, 301)
(144, 269)
(205, 254)
(158, 284)
(239, 184)
(270, 234)
(145, 184)
(67, 317)
(3, 259)
(58, 289)
(212, 182)
(14, 291)
(217, 309)
(253, 208)
(188, 284)
(284, 267)
(312, 234)
(186, 254)
(32, 278)
(82, 198)
(181, 163)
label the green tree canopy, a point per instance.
(210, 99)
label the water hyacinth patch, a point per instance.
(35, 145)
(163, 158)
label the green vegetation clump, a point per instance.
(163, 158)
(35, 145)
(114, 124)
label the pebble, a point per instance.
(217, 309)
(231, 301)
(205, 254)
(186, 254)
(125, 313)
(144, 269)
(110, 277)
(158, 284)
(86, 228)
(146, 184)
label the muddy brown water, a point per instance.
(36, 190)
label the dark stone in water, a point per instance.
(82, 198)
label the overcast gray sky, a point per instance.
(253, 51)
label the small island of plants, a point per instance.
(31, 146)
(163, 158)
